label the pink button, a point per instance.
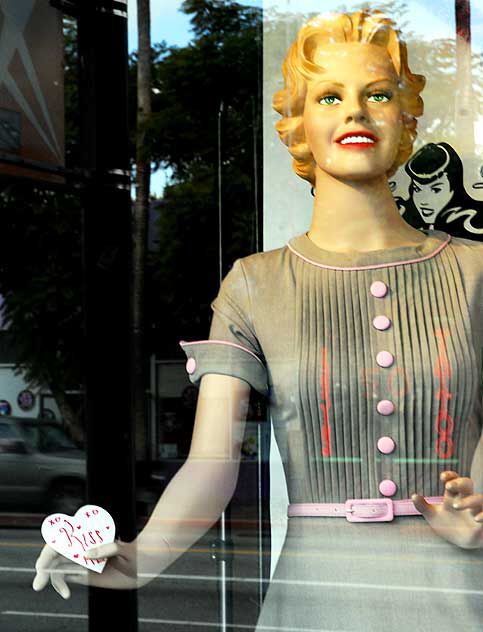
(386, 445)
(191, 365)
(379, 289)
(385, 359)
(385, 407)
(387, 487)
(381, 322)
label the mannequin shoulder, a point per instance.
(469, 253)
(469, 257)
(261, 265)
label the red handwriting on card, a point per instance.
(73, 536)
(84, 539)
(90, 562)
(325, 404)
(444, 423)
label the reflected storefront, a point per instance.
(354, 352)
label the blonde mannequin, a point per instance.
(349, 109)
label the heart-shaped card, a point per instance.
(73, 536)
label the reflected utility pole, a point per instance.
(140, 225)
(464, 98)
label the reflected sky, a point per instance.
(170, 24)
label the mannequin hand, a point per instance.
(119, 572)
(459, 519)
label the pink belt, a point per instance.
(361, 509)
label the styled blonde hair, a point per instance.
(365, 27)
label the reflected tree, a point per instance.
(41, 282)
(204, 128)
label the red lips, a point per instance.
(357, 133)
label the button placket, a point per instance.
(387, 487)
(385, 359)
(385, 407)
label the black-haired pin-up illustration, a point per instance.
(437, 195)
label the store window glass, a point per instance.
(354, 352)
(43, 449)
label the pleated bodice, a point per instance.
(372, 362)
(365, 387)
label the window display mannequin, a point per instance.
(366, 335)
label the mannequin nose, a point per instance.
(357, 115)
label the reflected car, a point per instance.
(41, 468)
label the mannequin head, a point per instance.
(304, 65)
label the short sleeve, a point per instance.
(232, 348)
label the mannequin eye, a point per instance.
(380, 97)
(329, 99)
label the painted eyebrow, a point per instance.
(341, 85)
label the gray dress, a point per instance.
(351, 349)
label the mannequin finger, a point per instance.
(79, 576)
(459, 486)
(479, 517)
(448, 475)
(473, 502)
(66, 566)
(422, 505)
(109, 578)
(59, 584)
(105, 550)
(47, 560)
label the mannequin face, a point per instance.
(352, 113)
(430, 199)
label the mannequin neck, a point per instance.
(358, 216)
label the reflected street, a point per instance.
(185, 599)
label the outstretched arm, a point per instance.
(190, 505)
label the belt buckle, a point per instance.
(372, 513)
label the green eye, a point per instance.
(329, 99)
(380, 97)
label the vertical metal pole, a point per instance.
(107, 248)
(260, 500)
(222, 555)
(263, 428)
(464, 97)
(153, 412)
(220, 199)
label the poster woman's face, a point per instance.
(430, 199)
(352, 113)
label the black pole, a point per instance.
(463, 19)
(103, 54)
(223, 546)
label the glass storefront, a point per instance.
(360, 340)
